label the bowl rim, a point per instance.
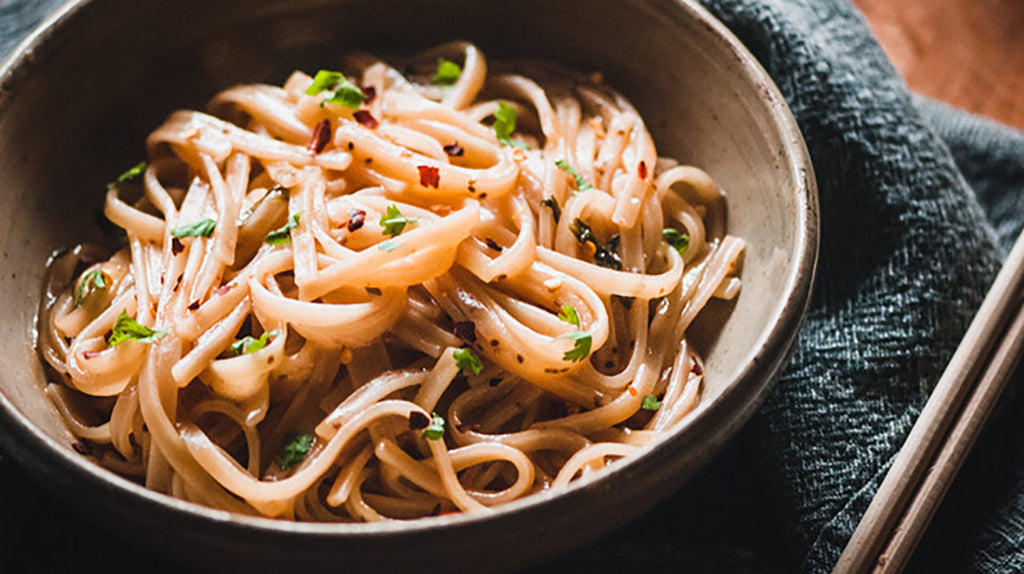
(772, 348)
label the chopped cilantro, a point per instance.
(295, 449)
(582, 348)
(89, 283)
(250, 345)
(569, 315)
(283, 235)
(126, 329)
(581, 184)
(436, 429)
(448, 72)
(650, 403)
(130, 174)
(201, 228)
(556, 210)
(389, 245)
(604, 255)
(467, 360)
(394, 222)
(339, 90)
(679, 241)
(505, 124)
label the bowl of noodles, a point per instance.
(399, 284)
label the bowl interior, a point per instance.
(75, 112)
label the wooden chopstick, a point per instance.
(931, 431)
(954, 451)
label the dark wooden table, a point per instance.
(969, 53)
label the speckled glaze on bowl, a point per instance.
(79, 95)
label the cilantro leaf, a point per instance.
(339, 90)
(467, 360)
(582, 348)
(201, 228)
(436, 429)
(556, 210)
(127, 329)
(394, 222)
(650, 403)
(89, 284)
(283, 235)
(448, 72)
(581, 184)
(505, 124)
(569, 315)
(250, 345)
(130, 174)
(679, 241)
(295, 449)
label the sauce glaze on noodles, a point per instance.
(362, 324)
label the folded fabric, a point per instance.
(908, 249)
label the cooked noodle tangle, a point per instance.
(354, 322)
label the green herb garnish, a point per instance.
(650, 403)
(131, 174)
(448, 72)
(569, 315)
(582, 348)
(339, 90)
(201, 228)
(295, 449)
(89, 284)
(505, 124)
(283, 235)
(581, 184)
(556, 210)
(436, 429)
(389, 245)
(394, 222)
(127, 329)
(679, 241)
(250, 345)
(467, 360)
(604, 255)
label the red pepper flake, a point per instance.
(321, 135)
(696, 369)
(369, 94)
(418, 420)
(429, 176)
(176, 246)
(90, 354)
(454, 150)
(365, 118)
(642, 170)
(465, 331)
(223, 289)
(193, 306)
(493, 244)
(356, 219)
(632, 390)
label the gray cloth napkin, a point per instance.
(919, 203)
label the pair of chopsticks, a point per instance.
(948, 426)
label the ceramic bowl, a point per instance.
(78, 97)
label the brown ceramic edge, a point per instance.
(35, 450)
